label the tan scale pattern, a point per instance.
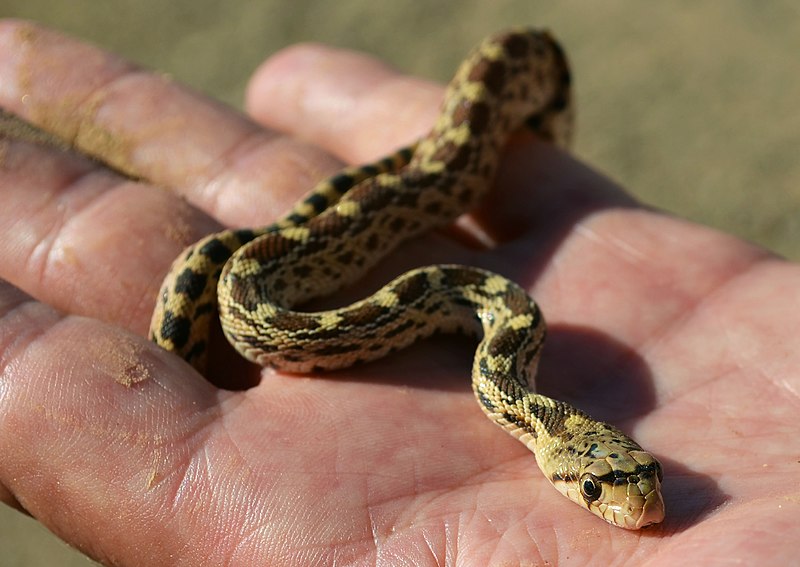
(347, 223)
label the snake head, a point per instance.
(616, 480)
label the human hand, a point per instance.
(676, 333)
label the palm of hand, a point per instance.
(390, 462)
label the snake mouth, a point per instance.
(652, 511)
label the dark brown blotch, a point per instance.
(455, 156)
(190, 283)
(461, 278)
(402, 327)
(175, 328)
(491, 73)
(517, 46)
(216, 251)
(293, 322)
(411, 289)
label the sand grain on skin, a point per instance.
(121, 358)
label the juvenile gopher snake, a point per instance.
(347, 223)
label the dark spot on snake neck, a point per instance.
(434, 307)
(476, 113)
(176, 329)
(190, 283)
(296, 219)
(370, 170)
(396, 160)
(245, 235)
(464, 302)
(388, 163)
(551, 418)
(367, 313)
(293, 322)
(519, 422)
(205, 308)
(491, 73)
(455, 156)
(463, 278)
(410, 289)
(318, 202)
(397, 224)
(507, 340)
(342, 182)
(516, 45)
(216, 251)
(405, 154)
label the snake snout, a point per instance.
(652, 511)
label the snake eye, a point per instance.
(590, 487)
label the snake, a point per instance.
(251, 281)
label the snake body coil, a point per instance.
(347, 223)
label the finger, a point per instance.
(86, 240)
(93, 420)
(147, 126)
(349, 103)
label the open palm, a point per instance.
(680, 335)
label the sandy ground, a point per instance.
(693, 107)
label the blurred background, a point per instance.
(693, 107)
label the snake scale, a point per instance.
(252, 278)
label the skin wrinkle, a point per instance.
(295, 172)
(50, 251)
(57, 251)
(629, 251)
(790, 388)
(13, 346)
(218, 169)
